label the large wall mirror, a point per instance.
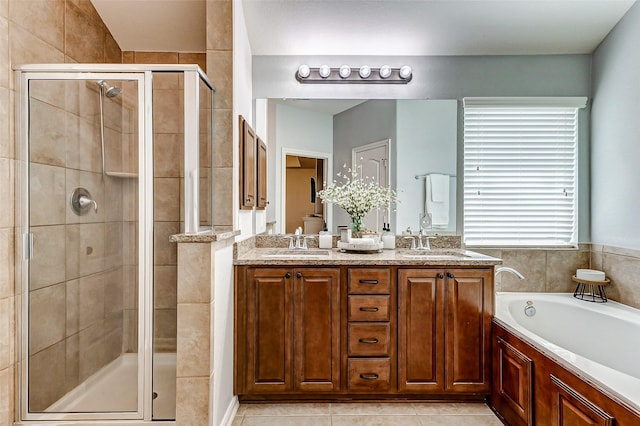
(311, 140)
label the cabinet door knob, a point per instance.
(369, 376)
(299, 275)
(440, 276)
(450, 275)
(369, 341)
(287, 275)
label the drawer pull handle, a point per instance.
(363, 309)
(369, 341)
(374, 282)
(369, 376)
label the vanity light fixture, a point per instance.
(345, 71)
(405, 72)
(324, 71)
(385, 71)
(304, 71)
(366, 74)
(365, 71)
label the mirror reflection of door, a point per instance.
(374, 160)
(304, 178)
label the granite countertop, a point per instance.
(436, 257)
(219, 234)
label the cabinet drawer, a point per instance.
(369, 281)
(369, 308)
(369, 339)
(372, 375)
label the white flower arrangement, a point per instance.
(357, 195)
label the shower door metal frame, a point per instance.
(73, 72)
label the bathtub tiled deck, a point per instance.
(366, 414)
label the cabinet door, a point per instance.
(247, 165)
(262, 175)
(420, 323)
(269, 330)
(569, 408)
(469, 299)
(512, 384)
(317, 329)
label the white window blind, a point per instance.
(520, 171)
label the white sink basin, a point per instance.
(298, 254)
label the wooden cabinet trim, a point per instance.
(513, 383)
(261, 175)
(247, 174)
(570, 407)
(317, 329)
(420, 325)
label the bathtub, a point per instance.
(601, 340)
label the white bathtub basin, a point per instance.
(600, 339)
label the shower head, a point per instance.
(108, 89)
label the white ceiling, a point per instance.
(374, 27)
(429, 27)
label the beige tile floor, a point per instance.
(366, 414)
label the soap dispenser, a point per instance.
(388, 238)
(325, 239)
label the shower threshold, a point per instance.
(114, 388)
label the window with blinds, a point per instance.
(520, 171)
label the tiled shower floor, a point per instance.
(366, 414)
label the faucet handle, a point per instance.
(290, 240)
(304, 241)
(413, 242)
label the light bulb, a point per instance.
(365, 71)
(405, 72)
(385, 71)
(345, 71)
(324, 71)
(304, 71)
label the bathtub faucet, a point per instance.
(511, 270)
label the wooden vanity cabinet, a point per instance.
(444, 330)
(362, 332)
(287, 330)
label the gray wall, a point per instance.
(615, 144)
(449, 77)
(368, 122)
(427, 134)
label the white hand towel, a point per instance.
(437, 188)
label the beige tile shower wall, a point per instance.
(41, 31)
(220, 71)
(544, 270)
(168, 186)
(622, 267)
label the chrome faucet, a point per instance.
(517, 274)
(417, 241)
(299, 241)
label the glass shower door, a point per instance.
(83, 301)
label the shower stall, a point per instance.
(112, 160)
